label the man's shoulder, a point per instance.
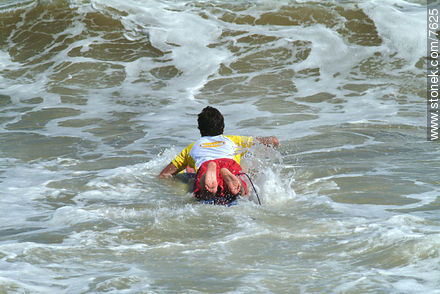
(191, 145)
(188, 148)
(240, 139)
(237, 137)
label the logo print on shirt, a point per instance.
(213, 144)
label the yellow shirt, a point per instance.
(212, 147)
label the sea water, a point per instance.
(96, 97)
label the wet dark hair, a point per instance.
(211, 122)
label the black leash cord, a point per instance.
(255, 190)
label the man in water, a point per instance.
(216, 158)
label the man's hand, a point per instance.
(268, 141)
(169, 171)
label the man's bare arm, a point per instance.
(169, 171)
(268, 141)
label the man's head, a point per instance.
(211, 122)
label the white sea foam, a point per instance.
(183, 33)
(407, 17)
